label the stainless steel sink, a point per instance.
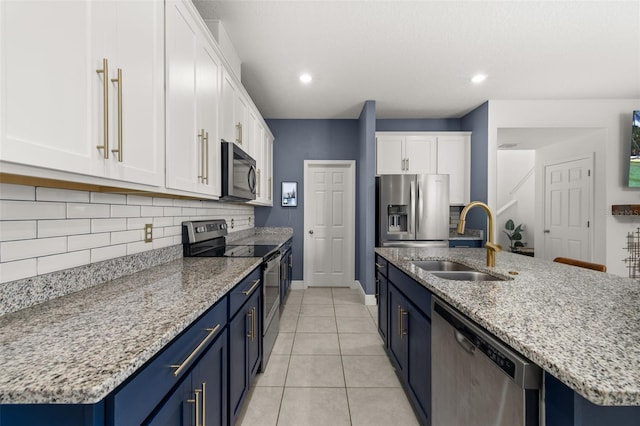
(440, 265)
(466, 276)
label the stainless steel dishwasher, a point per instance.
(476, 379)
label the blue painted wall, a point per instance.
(366, 198)
(477, 121)
(296, 141)
(419, 125)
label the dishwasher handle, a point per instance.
(466, 344)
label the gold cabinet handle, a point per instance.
(239, 128)
(204, 404)
(253, 286)
(252, 328)
(206, 156)
(201, 143)
(379, 265)
(403, 332)
(119, 81)
(255, 312)
(196, 402)
(105, 106)
(192, 355)
(269, 187)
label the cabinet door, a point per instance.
(139, 53)
(454, 159)
(383, 306)
(420, 154)
(268, 167)
(239, 335)
(176, 411)
(209, 376)
(240, 111)
(255, 355)
(389, 155)
(207, 94)
(52, 98)
(418, 367)
(228, 96)
(397, 328)
(183, 144)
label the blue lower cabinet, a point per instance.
(465, 243)
(383, 301)
(201, 396)
(244, 351)
(396, 332)
(52, 414)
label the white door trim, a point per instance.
(349, 223)
(590, 156)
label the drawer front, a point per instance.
(134, 401)
(243, 291)
(465, 243)
(381, 265)
(415, 292)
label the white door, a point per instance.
(420, 154)
(568, 205)
(329, 223)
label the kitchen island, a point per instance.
(582, 327)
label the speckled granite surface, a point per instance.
(264, 236)
(79, 347)
(581, 326)
(469, 234)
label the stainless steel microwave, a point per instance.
(238, 173)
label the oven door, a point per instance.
(238, 173)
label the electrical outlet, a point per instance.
(148, 232)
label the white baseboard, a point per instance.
(298, 285)
(367, 299)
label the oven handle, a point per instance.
(253, 287)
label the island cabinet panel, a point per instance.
(244, 350)
(409, 338)
(52, 414)
(138, 397)
(466, 243)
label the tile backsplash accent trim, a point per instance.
(44, 230)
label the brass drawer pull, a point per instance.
(119, 81)
(193, 354)
(105, 106)
(206, 156)
(253, 287)
(201, 176)
(379, 265)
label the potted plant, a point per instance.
(514, 233)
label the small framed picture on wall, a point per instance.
(289, 194)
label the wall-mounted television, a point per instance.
(634, 158)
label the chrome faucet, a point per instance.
(491, 247)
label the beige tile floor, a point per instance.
(328, 367)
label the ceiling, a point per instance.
(416, 58)
(539, 137)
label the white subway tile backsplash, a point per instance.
(24, 249)
(105, 198)
(10, 191)
(105, 253)
(127, 236)
(88, 241)
(139, 200)
(10, 271)
(162, 221)
(17, 230)
(59, 262)
(56, 228)
(172, 211)
(138, 222)
(90, 211)
(162, 242)
(151, 211)
(125, 211)
(25, 210)
(108, 225)
(138, 246)
(64, 195)
(43, 230)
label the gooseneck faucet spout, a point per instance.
(491, 247)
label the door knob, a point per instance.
(311, 231)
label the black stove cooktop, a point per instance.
(236, 251)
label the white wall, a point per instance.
(44, 230)
(613, 117)
(516, 181)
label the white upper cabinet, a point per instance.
(193, 75)
(235, 112)
(454, 159)
(264, 166)
(402, 154)
(61, 110)
(424, 153)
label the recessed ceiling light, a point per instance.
(306, 78)
(478, 78)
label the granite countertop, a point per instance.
(581, 326)
(78, 348)
(469, 234)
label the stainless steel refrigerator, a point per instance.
(413, 210)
